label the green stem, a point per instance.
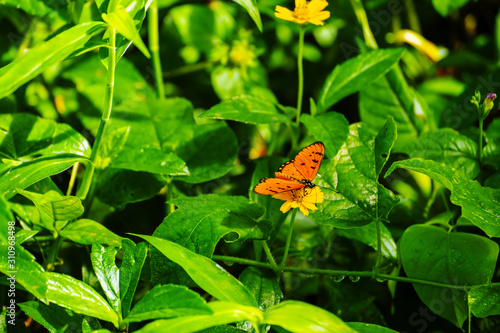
(154, 47)
(54, 250)
(106, 114)
(170, 206)
(270, 256)
(379, 245)
(241, 261)
(300, 92)
(288, 239)
(71, 184)
(360, 12)
(412, 16)
(480, 152)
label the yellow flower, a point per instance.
(304, 12)
(304, 199)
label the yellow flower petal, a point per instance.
(286, 206)
(304, 210)
(304, 12)
(317, 6)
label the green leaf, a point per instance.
(199, 223)
(150, 160)
(5, 217)
(24, 269)
(103, 262)
(54, 207)
(368, 235)
(52, 317)
(444, 7)
(431, 253)
(448, 147)
(38, 8)
(377, 102)
(223, 313)
(134, 256)
(246, 109)
(483, 301)
(87, 232)
(168, 301)
(253, 11)
(481, 205)
(300, 317)
(355, 74)
(45, 55)
(68, 292)
(369, 328)
(121, 20)
(330, 128)
(263, 285)
(353, 195)
(207, 274)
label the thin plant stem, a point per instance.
(106, 114)
(360, 12)
(71, 184)
(270, 257)
(412, 16)
(54, 250)
(300, 68)
(379, 245)
(288, 239)
(480, 151)
(470, 317)
(331, 272)
(170, 206)
(154, 47)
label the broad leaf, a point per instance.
(5, 217)
(168, 301)
(87, 232)
(481, 205)
(246, 109)
(353, 195)
(68, 292)
(300, 317)
(448, 147)
(355, 74)
(103, 262)
(45, 55)
(252, 9)
(22, 268)
(223, 313)
(444, 7)
(263, 285)
(150, 160)
(207, 274)
(199, 223)
(369, 328)
(330, 128)
(379, 101)
(134, 256)
(368, 235)
(431, 253)
(52, 317)
(483, 301)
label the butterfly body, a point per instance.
(295, 174)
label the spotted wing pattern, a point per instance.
(276, 185)
(308, 160)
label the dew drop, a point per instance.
(354, 278)
(337, 278)
(380, 279)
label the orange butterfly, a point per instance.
(294, 174)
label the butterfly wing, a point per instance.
(308, 160)
(288, 171)
(276, 185)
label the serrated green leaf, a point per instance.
(355, 74)
(46, 54)
(483, 301)
(25, 270)
(431, 253)
(211, 277)
(150, 160)
(200, 223)
(300, 317)
(330, 128)
(223, 313)
(68, 292)
(448, 147)
(86, 232)
(134, 256)
(353, 195)
(246, 109)
(121, 20)
(168, 301)
(263, 285)
(103, 262)
(481, 205)
(54, 207)
(253, 11)
(52, 317)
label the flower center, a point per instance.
(301, 12)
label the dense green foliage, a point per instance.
(133, 132)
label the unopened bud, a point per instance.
(488, 104)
